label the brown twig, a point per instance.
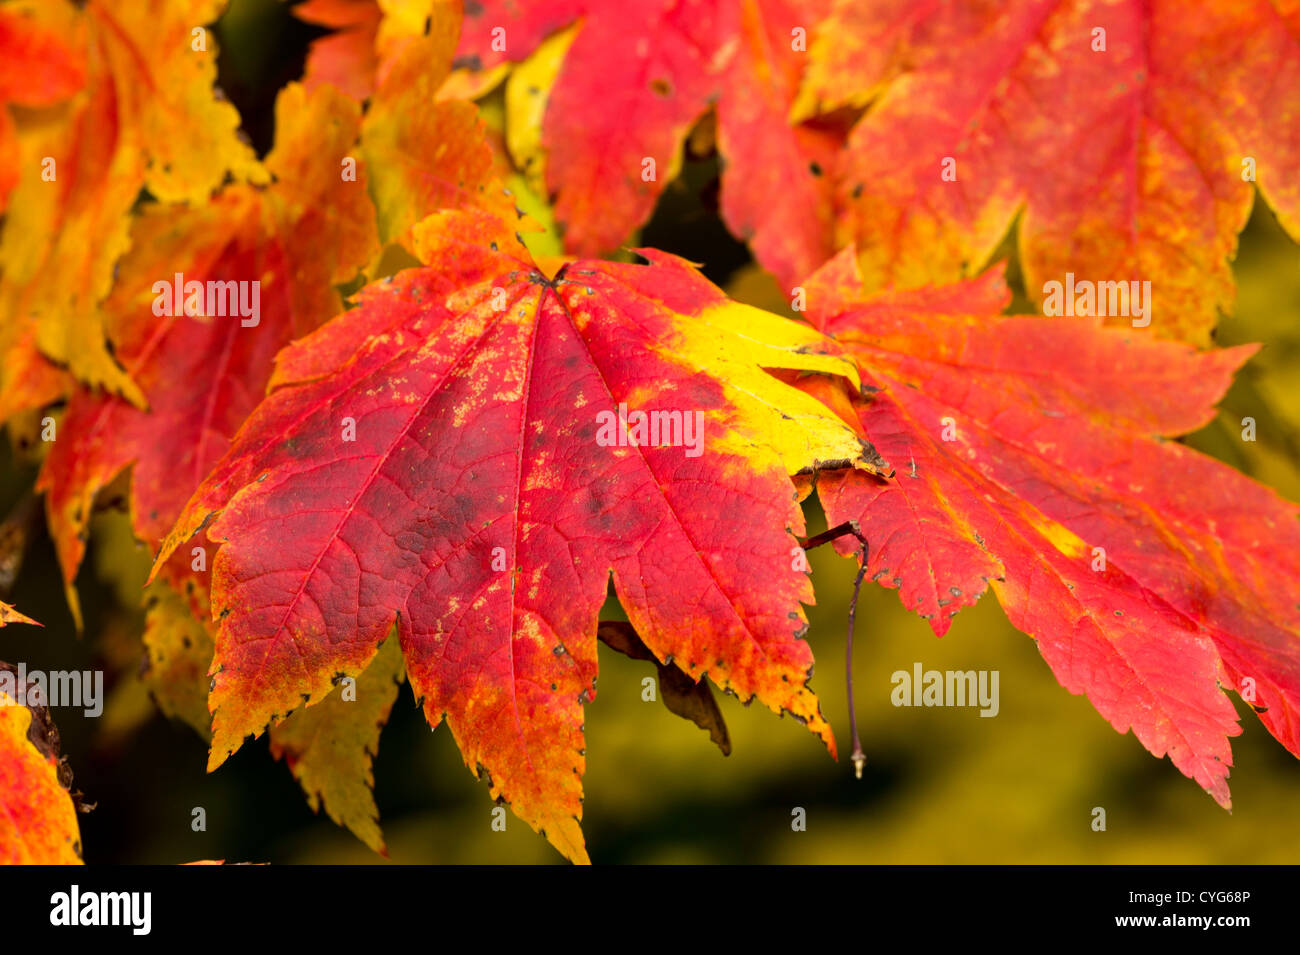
(849, 528)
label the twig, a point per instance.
(844, 530)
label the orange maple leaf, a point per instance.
(147, 117)
(1126, 137)
(38, 818)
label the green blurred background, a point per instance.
(941, 784)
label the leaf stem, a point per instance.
(849, 528)
(858, 757)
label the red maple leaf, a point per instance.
(624, 100)
(1033, 454)
(447, 457)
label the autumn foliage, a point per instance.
(394, 402)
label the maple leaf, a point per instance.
(148, 117)
(652, 84)
(433, 458)
(1128, 133)
(178, 651)
(680, 694)
(426, 154)
(38, 812)
(38, 67)
(345, 58)
(776, 187)
(426, 150)
(330, 747)
(1033, 455)
(9, 615)
(203, 374)
(40, 64)
(368, 35)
